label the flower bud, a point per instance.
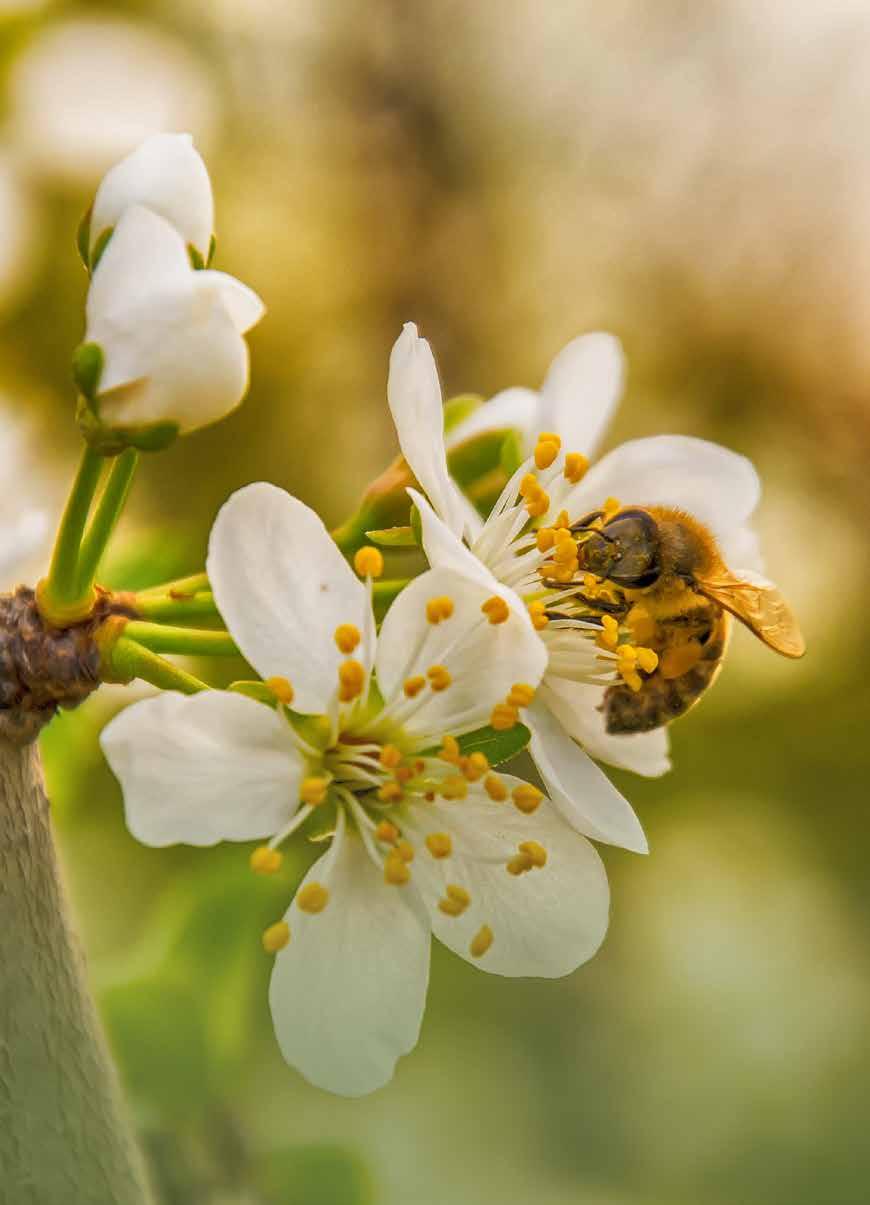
(166, 174)
(164, 351)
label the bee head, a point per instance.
(624, 551)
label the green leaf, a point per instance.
(100, 246)
(457, 409)
(212, 248)
(498, 746)
(83, 238)
(196, 260)
(393, 537)
(87, 368)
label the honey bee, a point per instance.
(671, 588)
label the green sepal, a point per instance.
(393, 537)
(196, 260)
(475, 458)
(212, 248)
(109, 441)
(87, 368)
(498, 746)
(100, 246)
(83, 238)
(417, 525)
(457, 409)
(511, 453)
(254, 690)
(153, 437)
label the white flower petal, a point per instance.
(484, 659)
(414, 396)
(283, 588)
(583, 794)
(443, 549)
(545, 922)
(577, 708)
(203, 768)
(166, 174)
(242, 304)
(582, 390)
(515, 409)
(348, 991)
(715, 485)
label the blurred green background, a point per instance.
(695, 178)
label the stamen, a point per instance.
(347, 637)
(276, 937)
(387, 832)
(449, 750)
(503, 717)
(475, 766)
(455, 901)
(529, 485)
(414, 685)
(352, 679)
(313, 897)
(396, 871)
(545, 538)
(647, 659)
(454, 787)
(440, 845)
(521, 695)
(481, 942)
(390, 792)
(551, 437)
(609, 637)
(405, 850)
(538, 504)
(281, 689)
(439, 677)
(576, 466)
(438, 609)
(537, 614)
(313, 791)
(519, 864)
(611, 506)
(563, 521)
(266, 860)
(546, 450)
(495, 788)
(527, 798)
(496, 609)
(368, 561)
(390, 757)
(535, 851)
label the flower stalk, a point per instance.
(61, 599)
(106, 516)
(163, 638)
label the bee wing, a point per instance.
(758, 604)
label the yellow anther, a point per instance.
(352, 679)
(627, 653)
(504, 716)
(495, 788)
(611, 506)
(390, 792)
(403, 774)
(455, 900)
(563, 522)
(439, 608)
(647, 659)
(396, 870)
(313, 791)
(276, 937)
(535, 851)
(347, 637)
(481, 941)
(390, 757)
(576, 466)
(632, 679)
(529, 485)
(313, 897)
(538, 504)
(545, 539)
(449, 750)
(475, 766)
(281, 689)
(526, 798)
(414, 685)
(266, 860)
(560, 572)
(537, 614)
(405, 850)
(439, 677)
(387, 832)
(519, 864)
(550, 437)
(455, 787)
(521, 695)
(546, 452)
(496, 609)
(565, 553)
(368, 561)
(440, 845)
(609, 637)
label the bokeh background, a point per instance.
(695, 178)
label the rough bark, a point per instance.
(64, 1137)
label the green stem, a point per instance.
(126, 660)
(384, 592)
(160, 607)
(105, 517)
(181, 587)
(60, 597)
(161, 638)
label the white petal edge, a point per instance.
(444, 549)
(582, 390)
(244, 306)
(348, 991)
(198, 769)
(283, 587)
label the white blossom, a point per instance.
(424, 838)
(171, 337)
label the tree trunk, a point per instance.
(64, 1136)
